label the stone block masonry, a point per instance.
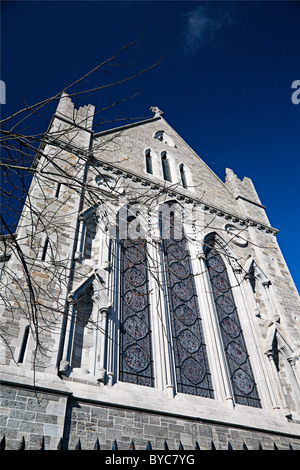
(31, 414)
(87, 422)
(34, 414)
(74, 391)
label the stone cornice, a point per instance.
(186, 196)
(169, 188)
(126, 126)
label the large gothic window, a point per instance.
(191, 364)
(135, 332)
(242, 379)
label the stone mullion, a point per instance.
(113, 325)
(264, 372)
(69, 337)
(221, 377)
(166, 331)
(157, 323)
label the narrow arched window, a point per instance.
(182, 175)
(90, 233)
(166, 167)
(149, 168)
(58, 188)
(45, 249)
(81, 341)
(189, 349)
(24, 345)
(136, 364)
(162, 136)
(241, 375)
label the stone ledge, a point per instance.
(154, 401)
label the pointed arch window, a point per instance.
(241, 375)
(90, 234)
(58, 189)
(148, 156)
(136, 365)
(81, 340)
(182, 175)
(190, 356)
(166, 167)
(45, 249)
(24, 345)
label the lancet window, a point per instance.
(182, 175)
(80, 338)
(166, 167)
(241, 375)
(90, 233)
(148, 156)
(190, 356)
(45, 249)
(24, 345)
(136, 364)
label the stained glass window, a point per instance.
(135, 333)
(192, 369)
(242, 379)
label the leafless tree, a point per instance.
(31, 292)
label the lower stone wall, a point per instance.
(90, 421)
(33, 415)
(36, 414)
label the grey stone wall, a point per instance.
(32, 415)
(89, 421)
(37, 414)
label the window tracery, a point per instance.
(136, 365)
(191, 363)
(241, 375)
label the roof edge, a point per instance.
(126, 126)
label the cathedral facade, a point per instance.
(143, 299)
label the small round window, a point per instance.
(237, 235)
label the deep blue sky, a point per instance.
(224, 83)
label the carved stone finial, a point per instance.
(156, 111)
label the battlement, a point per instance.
(241, 188)
(82, 117)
